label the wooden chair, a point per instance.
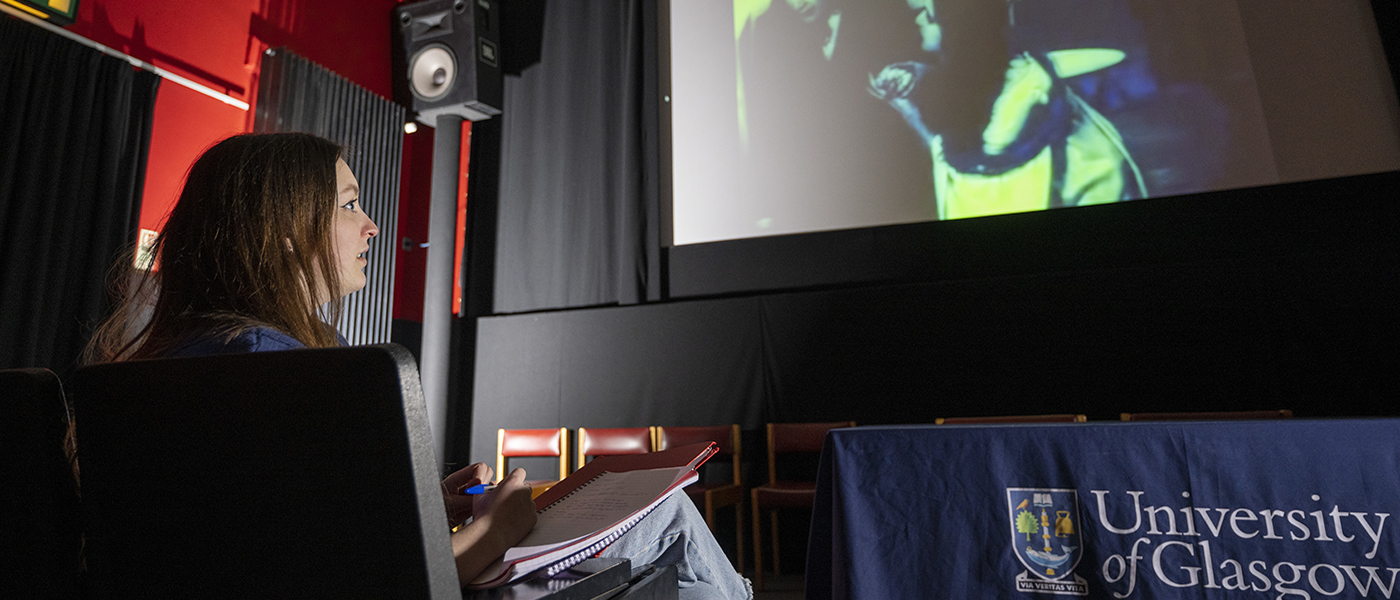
(785, 438)
(1239, 415)
(533, 442)
(612, 441)
(269, 474)
(39, 513)
(710, 496)
(1064, 418)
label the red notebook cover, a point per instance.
(629, 485)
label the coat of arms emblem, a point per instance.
(1045, 537)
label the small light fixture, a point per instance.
(410, 127)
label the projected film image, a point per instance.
(807, 115)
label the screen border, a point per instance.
(1167, 228)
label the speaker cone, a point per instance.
(432, 71)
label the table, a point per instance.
(1258, 509)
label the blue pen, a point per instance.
(479, 489)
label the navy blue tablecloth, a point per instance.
(1247, 510)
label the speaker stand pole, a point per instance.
(436, 352)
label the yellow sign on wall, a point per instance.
(61, 12)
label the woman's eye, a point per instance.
(350, 206)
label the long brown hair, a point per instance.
(247, 245)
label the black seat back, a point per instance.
(39, 521)
(308, 473)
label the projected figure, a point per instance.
(1004, 131)
(999, 106)
(992, 102)
(747, 12)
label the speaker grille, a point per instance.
(446, 58)
(432, 72)
(432, 25)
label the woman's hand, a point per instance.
(459, 505)
(508, 509)
(500, 519)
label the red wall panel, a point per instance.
(218, 43)
(185, 123)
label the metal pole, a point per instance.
(437, 290)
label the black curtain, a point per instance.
(1313, 331)
(76, 128)
(578, 219)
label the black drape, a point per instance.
(578, 211)
(76, 128)
(1311, 330)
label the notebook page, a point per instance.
(601, 504)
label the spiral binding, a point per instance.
(597, 546)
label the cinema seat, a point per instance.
(1062, 418)
(611, 441)
(785, 438)
(1234, 415)
(533, 442)
(273, 474)
(39, 519)
(711, 495)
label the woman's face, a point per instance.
(352, 231)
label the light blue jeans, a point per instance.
(674, 533)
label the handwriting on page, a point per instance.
(602, 503)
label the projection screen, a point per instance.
(792, 116)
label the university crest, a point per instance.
(1045, 537)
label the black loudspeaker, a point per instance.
(447, 58)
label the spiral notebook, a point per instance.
(585, 512)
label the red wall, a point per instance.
(218, 43)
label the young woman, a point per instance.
(267, 237)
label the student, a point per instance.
(267, 237)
